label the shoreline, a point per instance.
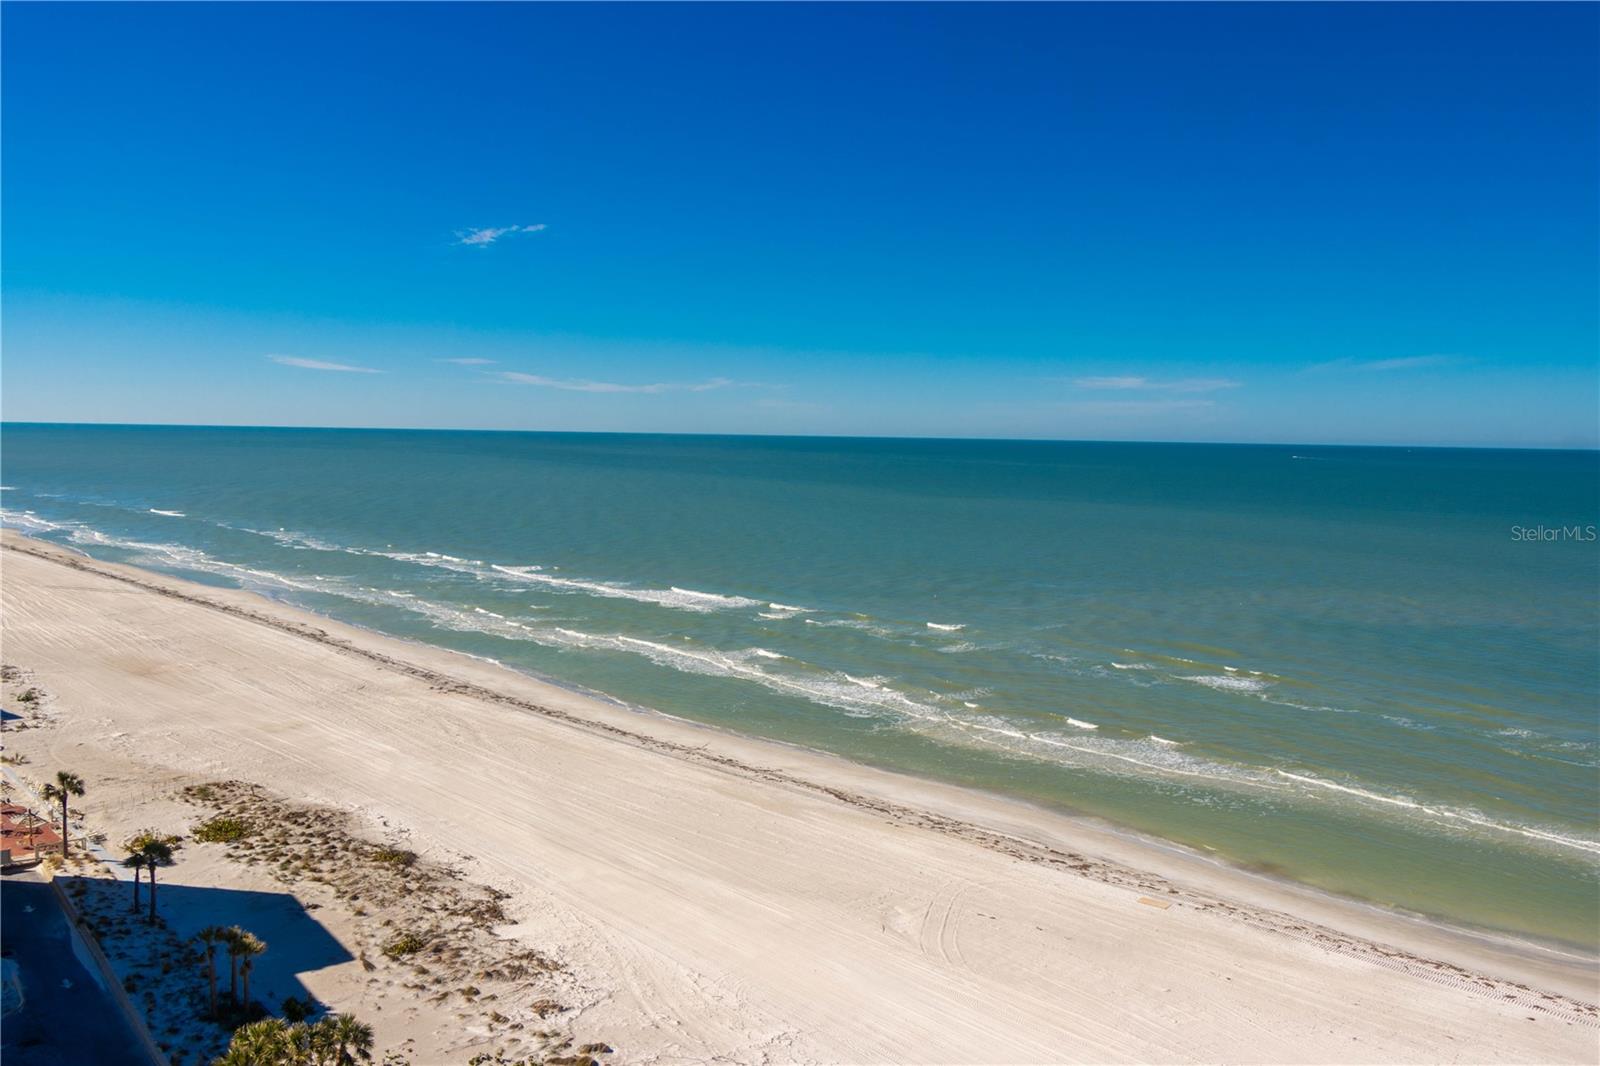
(1412, 824)
(1066, 850)
(1496, 939)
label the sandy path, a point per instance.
(732, 900)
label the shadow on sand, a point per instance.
(160, 965)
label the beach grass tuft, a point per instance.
(405, 944)
(222, 829)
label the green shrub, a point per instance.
(223, 829)
(298, 1010)
(395, 856)
(404, 944)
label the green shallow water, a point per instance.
(1343, 665)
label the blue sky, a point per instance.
(1346, 223)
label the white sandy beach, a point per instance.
(717, 898)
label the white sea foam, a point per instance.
(1266, 698)
(853, 623)
(181, 557)
(437, 561)
(300, 541)
(1116, 754)
(788, 608)
(1408, 723)
(1130, 666)
(1227, 682)
(715, 599)
(1469, 817)
(674, 596)
(859, 697)
(28, 522)
(1159, 755)
(678, 598)
(1079, 724)
(835, 690)
(945, 628)
(1398, 801)
(442, 557)
(443, 615)
(169, 514)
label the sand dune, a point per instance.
(721, 898)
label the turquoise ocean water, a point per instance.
(1372, 670)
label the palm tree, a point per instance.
(309, 1044)
(32, 820)
(156, 850)
(210, 937)
(65, 785)
(136, 862)
(351, 1039)
(231, 938)
(139, 857)
(339, 1040)
(247, 947)
(313, 1042)
(269, 1042)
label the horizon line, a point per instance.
(808, 436)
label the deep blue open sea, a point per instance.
(1373, 670)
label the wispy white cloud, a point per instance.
(1127, 382)
(1136, 407)
(1408, 362)
(580, 385)
(469, 362)
(483, 236)
(318, 364)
